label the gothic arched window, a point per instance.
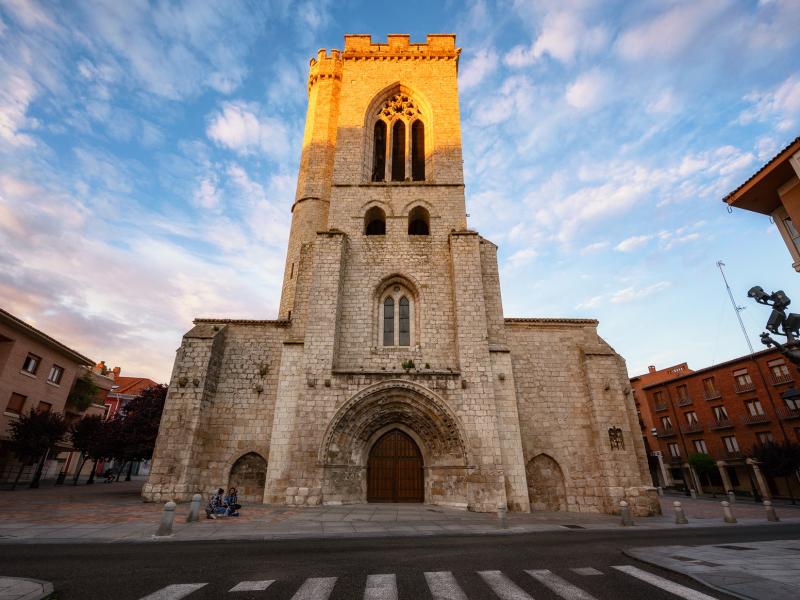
(396, 316)
(379, 154)
(398, 151)
(404, 337)
(419, 221)
(375, 221)
(418, 151)
(388, 321)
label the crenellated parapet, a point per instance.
(325, 66)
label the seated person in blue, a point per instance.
(216, 505)
(231, 502)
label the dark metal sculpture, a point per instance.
(779, 323)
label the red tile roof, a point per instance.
(131, 386)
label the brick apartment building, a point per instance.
(37, 371)
(723, 411)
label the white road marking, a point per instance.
(316, 588)
(252, 586)
(503, 586)
(175, 592)
(560, 586)
(443, 586)
(665, 584)
(586, 571)
(381, 587)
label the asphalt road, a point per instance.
(133, 571)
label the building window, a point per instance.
(388, 322)
(666, 422)
(700, 446)
(44, 407)
(754, 408)
(721, 413)
(790, 229)
(731, 445)
(691, 418)
(674, 450)
(379, 152)
(616, 439)
(397, 316)
(375, 221)
(743, 381)
(405, 323)
(658, 397)
(418, 151)
(16, 403)
(683, 392)
(792, 403)
(419, 221)
(398, 151)
(55, 374)
(765, 437)
(31, 364)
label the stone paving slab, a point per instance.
(16, 588)
(752, 570)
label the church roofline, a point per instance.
(546, 320)
(244, 321)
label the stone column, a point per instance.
(664, 471)
(763, 488)
(723, 472)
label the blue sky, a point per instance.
(148, 155)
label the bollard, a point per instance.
(501, 516)
(693, 493)
(194, 509)
(660, 491)
(167, 517)
(731, 497)
(680, 516)
(771, 514)
(726, 512)
(625, 514)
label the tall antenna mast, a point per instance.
(736, 308)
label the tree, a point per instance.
(138, 421)
(703, 464)
(778, 460)
(83, 393)
(33, 435)
(84, 435)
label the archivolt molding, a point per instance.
(398, 100)
(395, 401)
(403, 279)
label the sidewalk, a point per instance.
(752, 570)
(16, 588)
(115, 513)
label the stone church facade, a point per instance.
(391, 373)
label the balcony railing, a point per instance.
(785, 413)
(755, 419)
(675, 460)
(781, 379)
(722, 424)
(685, 401)
(665, 431)
(734, 454)
(692, 428)
(660, 407)
(741, 388)
(711, 394)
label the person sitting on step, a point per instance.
(216, 505)
(231, 502)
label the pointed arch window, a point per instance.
(388, 321)
(418, 151)
(404, 338)
(379, 154)
(419, 221)
(375, 221)
(398, 151)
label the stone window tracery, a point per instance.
(396, 316)
(398, 140)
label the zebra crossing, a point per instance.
(444, 585)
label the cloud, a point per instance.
(240, 127)
(563, 36)
(589, 90)
(207, 195)
(594, 247)
(780, 105)
(632, 293)
(483, 64)
(16, 93)
(632, 243)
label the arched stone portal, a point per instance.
(545, 484)
(406, 408)
(248, 475)
(394, 469)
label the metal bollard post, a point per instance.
(502, 512)
(731, 497)
(771, 514)
(660, 491)
(680, 516)
(625, 514)
(167, 517)
(194, 509)
(726, 512)
(693, 493)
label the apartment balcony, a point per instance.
(675, 460)
(780, 379)
(785, 413)
(685, 401)
(741, 388)
(734, 454)
(665, 432)
(755, 419)
(722, 424)
(692, 428)
(711, 395)
(660, 407)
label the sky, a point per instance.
(149, 150)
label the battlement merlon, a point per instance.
(361, 46)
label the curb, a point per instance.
(22, 588)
